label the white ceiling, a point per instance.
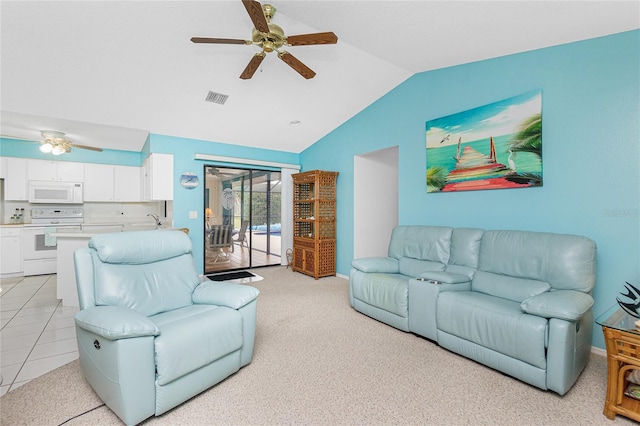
(108, 73)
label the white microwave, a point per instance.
(51, 192)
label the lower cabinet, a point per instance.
(316, 258)
(10, 250)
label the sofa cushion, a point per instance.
(495, 323)
(465, 247)
(194, 336)
(566, 262)
(414, 267)
(384, 291)
(515, 289)
(421, 242)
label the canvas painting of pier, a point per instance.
(495, 146)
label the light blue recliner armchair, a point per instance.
(150, 334)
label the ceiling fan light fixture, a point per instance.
(46, 147)
(58, 149)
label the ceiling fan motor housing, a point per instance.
(270, 41)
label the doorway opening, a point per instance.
(375, 189)
(242, 218)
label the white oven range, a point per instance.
(39, 250)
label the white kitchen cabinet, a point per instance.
(98, 182)
(10, 250)
(15, 180)
(108, 182)
(65, 171)
(158, 177)
(127, 184)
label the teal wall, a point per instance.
(186, 200)
(591, 151)
(26, 149)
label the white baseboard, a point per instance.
(598, 351)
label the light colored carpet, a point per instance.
(319, 362)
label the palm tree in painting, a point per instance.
(529, 138)
(436, 178)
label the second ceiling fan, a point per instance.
(270, 37)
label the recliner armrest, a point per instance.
(388, 265)
(569, 305)
(114, 322)
(234, 296)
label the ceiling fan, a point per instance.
(56, 143)
(270, 37)
(214, 171)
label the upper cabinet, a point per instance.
(98, 182)
(102, 182)
(15, 181)
(157, 178)
(55, 170)
(107, 182)
(127, 184)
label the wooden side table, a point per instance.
(623, 355)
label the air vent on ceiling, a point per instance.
(216, 98)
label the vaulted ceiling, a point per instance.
(108, 73)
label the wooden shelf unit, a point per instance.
(623, 355)
(314, 223)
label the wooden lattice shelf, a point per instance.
(314, 223)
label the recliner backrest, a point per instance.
(420, 248)
(147, 271)
(465, 251)
(565, 262)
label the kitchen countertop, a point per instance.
(89, 234)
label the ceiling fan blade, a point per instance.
(294, 63)
(315, 38)
(73, 145)
(254, 9)
(219, 40)
(253, 65)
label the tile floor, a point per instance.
(37, 333)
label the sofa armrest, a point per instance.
(385, 265)
(234, 296)
(569, 305)
(113, 322)
(441, 277)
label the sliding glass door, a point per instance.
(242, 218)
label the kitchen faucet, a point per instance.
(156, 218)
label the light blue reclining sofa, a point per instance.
(150, 334)
(516, 301)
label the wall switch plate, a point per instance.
(193, 215)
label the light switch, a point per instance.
(193, 214)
